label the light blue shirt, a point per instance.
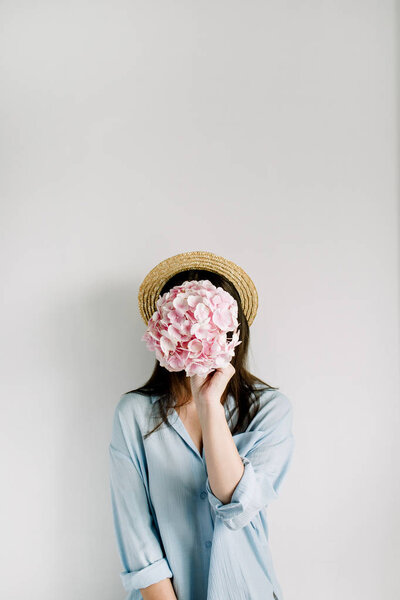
(168, 523)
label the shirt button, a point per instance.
(203, 495)
(208, 544)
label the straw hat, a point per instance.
(151, 286)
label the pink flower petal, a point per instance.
(188, 330)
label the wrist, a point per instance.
(210, 410)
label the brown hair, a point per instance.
(174, 387)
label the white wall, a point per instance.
(266, 132)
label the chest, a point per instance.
(190, 419)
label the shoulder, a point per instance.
(132, 405)
(275, 408)
(128, 419)
(276, 400)
(130, 412)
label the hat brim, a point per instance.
(151, 286)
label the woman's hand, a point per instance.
(209, 389)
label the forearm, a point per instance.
(162, 590)
(224, 464)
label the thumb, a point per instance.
(223, 375)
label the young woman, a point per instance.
(195, 462)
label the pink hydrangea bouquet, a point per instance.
(188, 331)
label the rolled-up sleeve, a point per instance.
(266, 453)
(138, 539)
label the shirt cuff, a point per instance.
(156, 571)
(242, 495)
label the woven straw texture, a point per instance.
(154, 281)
